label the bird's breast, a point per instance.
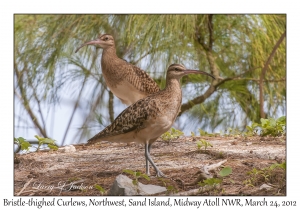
(170, 105)
(126, 92)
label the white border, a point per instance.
(8, 8)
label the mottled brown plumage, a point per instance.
(148, 118)
(126, 81)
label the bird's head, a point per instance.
(104, 41)
(177, 71)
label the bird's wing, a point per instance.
(132, 118)
(141, 80)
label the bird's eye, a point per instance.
(176, 69)
(106, 38)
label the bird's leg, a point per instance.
(148, 157)
(147, 163)
(147, 147)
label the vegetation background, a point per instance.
(56, 89)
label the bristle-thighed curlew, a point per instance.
(147, 119)
(126, 81)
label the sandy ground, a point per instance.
(56, 173)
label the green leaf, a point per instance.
(173, 133)
(43, 140)
(203, 143)
(23, 143)
(38, 137)
(48, 141)
(129, 171)
(98, 187)
(145, 176)
(170, 188)
(264, 122)
(135, 182)
(138, 174)
(225, 171)
(281, 165)
(212, 181)
(51, 146)
(17, 140)
(282, 119)
(202, 132)
(249, 128)
(272, 122)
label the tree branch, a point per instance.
(39, 104)
(74, 109)
(197, 100)
(213, 68)
(26, 104)
(210, 91)
(93, 108)
(210, 29)
(263, 73)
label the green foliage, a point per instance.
(25, 145)
(234, 132)
(273, 127)
(213, 183)
(204, 133)
(267, 174)
(136, 175)
(210, 182)
(278, 165)
(202, 143)
(49, 142)
(101, 189)
(252, 130)
(225, 171)
(268, 127)
(170, 188)
(172, 134)
(255, 177)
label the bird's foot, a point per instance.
(160, 174)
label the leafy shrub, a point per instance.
(268, 127)
(136, 175)
(172, 134)
(25, 145)
(202, 143)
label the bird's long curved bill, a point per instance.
(190, 71)
(93, 42)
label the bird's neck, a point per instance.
(172, 84)
(109, 58)
(173, 89)
(172, 98)
(109, 52)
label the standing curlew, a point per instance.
(126, 81)
(148, 118)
